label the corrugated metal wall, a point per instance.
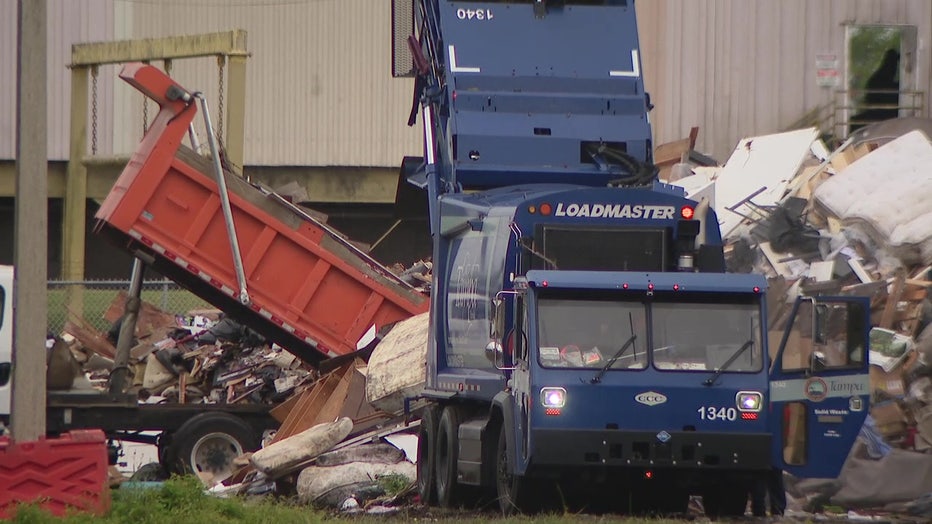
(745, 68)
(319, 85)
(68, 22)
(320, 91)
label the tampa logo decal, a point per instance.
(816, 389)
(651, 398)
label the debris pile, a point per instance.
(333, 448)
(854, 221)
(200, 357)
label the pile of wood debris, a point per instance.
(853, 221)
(199, 357)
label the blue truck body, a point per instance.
(584, 334)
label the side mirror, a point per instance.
(498, 319)
(495, 353)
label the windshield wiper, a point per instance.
(621, 351)
(718, 372)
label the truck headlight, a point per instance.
(749, 401)
(553, 397)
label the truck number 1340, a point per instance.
(717, 413)
(474, 14)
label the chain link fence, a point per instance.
(89, 300)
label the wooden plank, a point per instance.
(301, 410)
(843, 159)
(304, 418)
(331, 408)
(281, 411)
(805, 175)
(671, 152)
(886, 319)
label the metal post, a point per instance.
(74, 216)
(120, 371)
(30, 251)
(225, 204)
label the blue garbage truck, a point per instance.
(586, 344)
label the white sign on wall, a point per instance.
(827, 73)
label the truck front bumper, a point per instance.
(647, 449)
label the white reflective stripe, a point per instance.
(820, 388)
(635, 67)
(135, 234)
(457, 69)
(226, 289)
(458, 386)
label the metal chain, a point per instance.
(145, 113)
(221, 64)
(94, 110)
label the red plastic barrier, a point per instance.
(61, 474)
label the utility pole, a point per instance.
(30, 245)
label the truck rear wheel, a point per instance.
(446, 455)
(207, 444)
(426, 455)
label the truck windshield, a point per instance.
(589, 333)
(699, 336)
(685, 334)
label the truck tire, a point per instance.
(446, 455)
(513, 492)
(427, 455)
(207, 444)
(727, 500)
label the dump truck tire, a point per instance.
(446, 455)
(207, 444)
(427, 455)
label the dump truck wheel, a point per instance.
(207, 444)
(447, 453)
(426, 455)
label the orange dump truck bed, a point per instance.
(310, 291)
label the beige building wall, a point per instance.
(739, 68)
(320, 91)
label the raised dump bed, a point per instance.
(310, 291)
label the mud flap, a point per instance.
(411, 190)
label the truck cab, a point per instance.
(588, 339)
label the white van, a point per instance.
(6, 341)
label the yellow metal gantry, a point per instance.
(229, 46)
